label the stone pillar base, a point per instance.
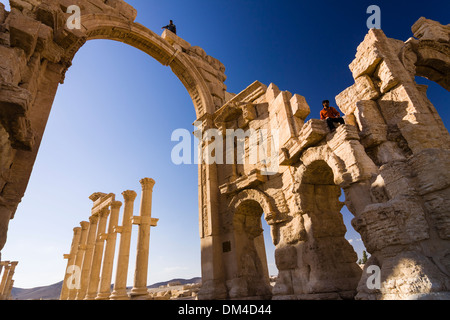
(136, 292)
(213, 290)
(103, 296)
(142, 297)
(119, 295)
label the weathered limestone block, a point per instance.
(437, 205)
(321, 204)
(46, 47)
(206, 62)
(283, 286)
(396, 222)
(123, 8)
(333, 267)
(417, 123)
(24, 32)
(407, 276)
(294, 231)
(396, 176)
(378, 191)
(388, 151)
(311, 133)
(426, 29)
(387, 77)
(281, 113)
(50, 14)
(23, 135)
(358, 196)
(368, 55)
(14, 101)
(300, 107)
(346, 146)
(286, 257)
(24, 5)
(371, 123)
(431, 170)
(272, 92)
(175, 41)
(375, 49)
(421, 132)
(363, 89)
(12, 65)
(2, 13)
(6, 156)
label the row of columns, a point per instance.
(7, 269)
(91, 260)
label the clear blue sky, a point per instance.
(112, 120)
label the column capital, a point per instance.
(93, 219)
(147, 183)
(84, 225)
(129, 195)
(103, 213)
(66, 256)
(116, 204)
(76, 229)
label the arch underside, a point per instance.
(141, 38)
(433, 62)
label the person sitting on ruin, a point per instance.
(330, 115)
(171, 27)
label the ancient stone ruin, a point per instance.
(390, 159)
(91, 259)
(6, 278)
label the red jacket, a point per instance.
(330, 113)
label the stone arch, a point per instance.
(325, 154)
(247, 269)
(430, 52)
(330, 268)
(270, 213)
(108, 27)
(43, 47)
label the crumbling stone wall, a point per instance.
(390, 159)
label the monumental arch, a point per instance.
(390, 159)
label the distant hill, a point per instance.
(53, 292)
(45, 293)
(181, 281)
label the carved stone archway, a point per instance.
(39, 49)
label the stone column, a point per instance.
(108, 260)
(7, 289)
(213, 273)
(7, 266)
(120, 284)
(71, 259)
(96, 265)
(87, 259)
(79, 259)
(144, 221)
(9, 292)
